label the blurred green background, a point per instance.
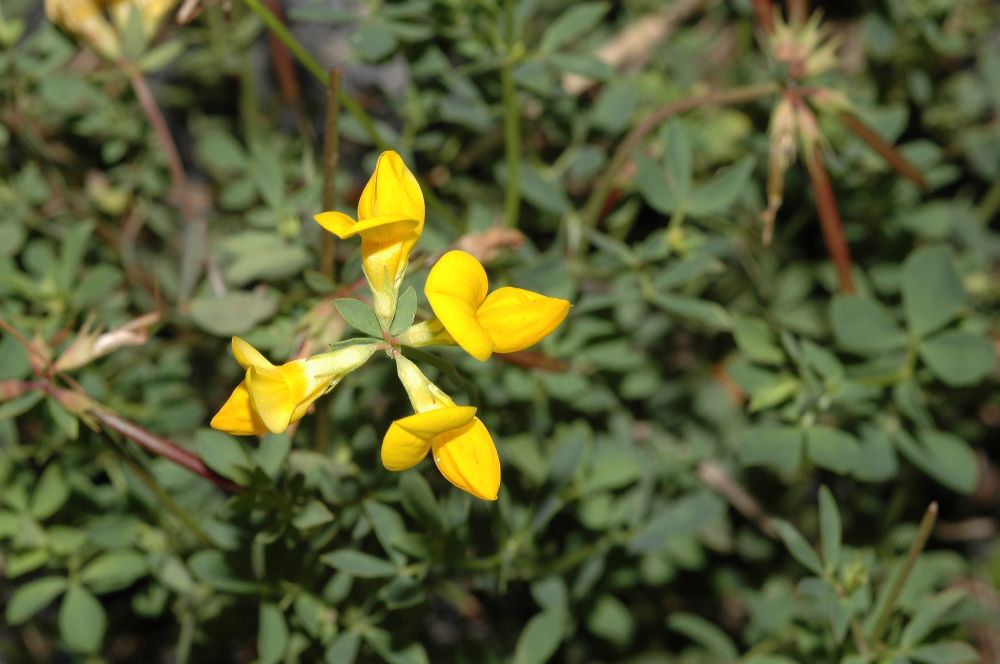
(765, 434)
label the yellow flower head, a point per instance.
(86, 21)
(462, 447)
(271, 397)
(390, 220)
(506, 320)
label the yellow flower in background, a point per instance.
(85, 20)
(462, 447)
(390, 220)
(482, 323)
(271, 397)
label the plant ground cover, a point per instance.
(762, 433)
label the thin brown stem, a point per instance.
(764, 11)
(886, 151)
(595, 202)
(829, 218)
(178, 178)
(161, 447)
(331, 155)
(919, 542)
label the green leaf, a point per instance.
(932, 290)
(134, 34)
(580, 18)
(831, 449)
(406, 309)
(779, 447)
(160, 56)
(277, 262)
(272, 452)
(652, 184)
(359, 316)
(756, 339)
(65, 420)
(114, 570)
(718, 194)
(829, 529)
(21, 404)
(224, 455)
(861, 325)
(876, 461)
(419, 501)
(32, 597)
(706, 634)
(50, 493)
(543, 190)
(82, 620)
(946, 652)
(211, 567)
(611, 620)
(946, 458)
(344, 650)
(928, 614)
(313, 514)
(678, 161)
(540, 638)
(797, 545)
(272, 635)
(550, 593)
(708, 313)
(959, 358)
(388, 526)
(689, 514)
(233, 313)
(361, 565)
(74, 247)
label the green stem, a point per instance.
(511, 123)
(919, 542)
(312, 65)
(165, 498)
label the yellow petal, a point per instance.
(408, 439)
(392, 190)
(237, 415)
(385, 228)
(401, 450)
(276, 392)
(468, 459)
(516, 318)
(247, 355)
(455, 288)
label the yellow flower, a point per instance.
(390, 220)
(506, 320)
(85, 20)
(271, 397)
(461, 445)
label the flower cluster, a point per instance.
(390, 221)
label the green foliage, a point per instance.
(721, 455)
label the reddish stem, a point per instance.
(886, 151)
(284, 68)
(162, 447)
(829, 218)
(764, 11)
